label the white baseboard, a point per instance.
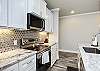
(68, 51)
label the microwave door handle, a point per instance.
(43, 25)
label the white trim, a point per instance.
(68, 51)
(56, 9)
(80, 14)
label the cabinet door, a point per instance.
(57, 51)
(47, 24)
(12, 68)
(34, 6)
(49, 21)
(28, 64)
(82, 65)
(43, 9)
(53, 54)
(3, 12)
(17, 13)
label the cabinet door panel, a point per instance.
(3, 12)
(49, 21)
(34, 6)
(17, 13)
(47, 24)
(53, 54)
(12, 68)
(28, 64)
(43, 9)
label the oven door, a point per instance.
(39, 65)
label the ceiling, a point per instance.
(79, 6)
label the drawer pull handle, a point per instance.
(13, 70)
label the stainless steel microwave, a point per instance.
(35, 22)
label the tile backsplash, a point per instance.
(7, 38)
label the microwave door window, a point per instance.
(36, 23)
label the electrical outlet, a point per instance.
(15, 42)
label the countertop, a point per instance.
(91, 61)
(10, 58)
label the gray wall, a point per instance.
(78, 29)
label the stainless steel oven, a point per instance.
(39, 65)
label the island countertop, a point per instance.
(91, 61)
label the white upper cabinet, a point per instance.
(37, 7)
(49, 21)
(43, 9)
(34, 6)
(47, 25)
(3, 12)
(17, 13)
(13, 13)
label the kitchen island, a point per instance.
(91, 61)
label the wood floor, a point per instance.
(67, 62)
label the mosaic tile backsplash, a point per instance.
(7, 38)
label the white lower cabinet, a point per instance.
(54, 54)
(28, 64)
(12, 68)
(81, 64)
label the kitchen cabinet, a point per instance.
(3, 13)
(56, 24)
(18, 9)
(56, 27)
(43, 9)
(54, 54)
(28, 64)
(34, 6)
(81, 64)
(37, 7)
(13, 13)
(12, 68)
(49, 21)
(17, 13)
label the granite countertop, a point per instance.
(91, 61)
(10, 58)
(48, 47)
(42, 48)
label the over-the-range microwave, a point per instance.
(35, 22)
